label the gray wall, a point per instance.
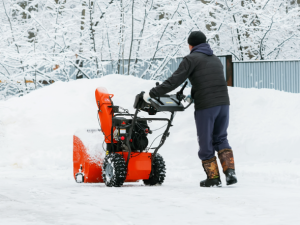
(278, 75)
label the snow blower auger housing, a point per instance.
(127, 157)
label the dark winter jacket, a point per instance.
(205, 72)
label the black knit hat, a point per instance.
(196, 38)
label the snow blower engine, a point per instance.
(127, 157)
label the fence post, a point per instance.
(229, 70)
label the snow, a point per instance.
(92, 139)
(38, 187)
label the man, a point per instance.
(210, 95)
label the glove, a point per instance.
(146, 97)
(189, 99)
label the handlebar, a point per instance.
(181, 91)
(174, 104)
(179, 95)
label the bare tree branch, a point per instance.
(280, 45)
(132, 23)
(5, 68)
(266, 4)
(187, 8)
(141, 34)
(237, 30)
(12, 33)
(103, 13)
(150, 64)
(168, 58)
(92, 35)
(261, 42)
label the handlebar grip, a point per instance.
(181, 91)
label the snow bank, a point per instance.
(36, 130)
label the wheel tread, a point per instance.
(119, 166)
(159, 171)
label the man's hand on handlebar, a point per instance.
(146, 97)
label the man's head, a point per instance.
(196, 38)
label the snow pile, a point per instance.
(36, 141)
(36, 130)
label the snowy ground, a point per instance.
(37, 186)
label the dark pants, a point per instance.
(212, 124)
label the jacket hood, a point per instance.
(203, 48)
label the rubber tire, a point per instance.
(159, 171)
(118, 165)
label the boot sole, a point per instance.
(231, 182)
(217, 186)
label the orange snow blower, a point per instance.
(127, 157)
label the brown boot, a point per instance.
(212, 171)
(227, 161)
